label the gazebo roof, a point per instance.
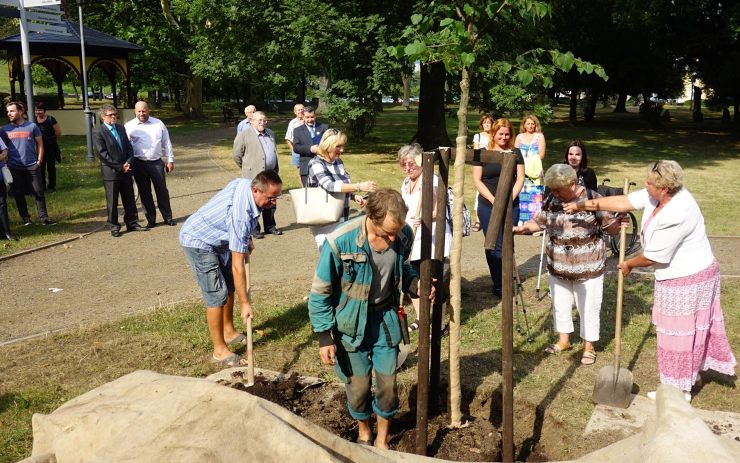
(96, 43)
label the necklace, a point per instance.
(413, 183)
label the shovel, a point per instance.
(614, 384)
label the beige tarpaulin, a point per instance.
(147, 417)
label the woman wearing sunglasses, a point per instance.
(326, 170)
(687, 313)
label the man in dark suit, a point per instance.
(306, 140)
(116, 153)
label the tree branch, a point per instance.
(167, 11)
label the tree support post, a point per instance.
(501, 220)
(440, 224)
(422, 384)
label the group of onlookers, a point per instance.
(27, 152)
(686, 309)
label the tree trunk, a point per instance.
(324, 84)
(301, 90)
(431, 129)
(378, 103)
(736, 110)
(178, 102)
(194, 97)
(406, 79)
(621, 106)
(573, 112)
(696, 114)
(458, 191)
(591, 102)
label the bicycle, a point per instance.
(613, 240)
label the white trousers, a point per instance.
(586, 295)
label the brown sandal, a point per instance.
(556, 348)
(588, 358)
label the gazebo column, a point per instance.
(13, 96)
(60, 93)
(129, 96)
(115, 92)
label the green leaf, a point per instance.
(415, 48)
(602, 73)
(416, 19)
(524, 76)
(446, 22)
(469, 10)
(467, 59)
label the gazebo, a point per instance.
(59, 53)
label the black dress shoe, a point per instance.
(151, 224)
(115, 233)
(170, 222)
(136, 227)
(275, 231)
(259, 235)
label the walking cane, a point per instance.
(539, 272)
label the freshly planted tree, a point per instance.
(463, 35)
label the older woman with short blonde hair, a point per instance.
(326, 170)
(687, 313)
(576, 255)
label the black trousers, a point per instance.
(49, 172)
(268, 219)
(22, 176)
(123, 185)
(4, 220)
(146, 174)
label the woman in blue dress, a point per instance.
(531, 142)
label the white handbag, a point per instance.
(316, 206)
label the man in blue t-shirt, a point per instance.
(25, 157)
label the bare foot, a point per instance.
(381, 445)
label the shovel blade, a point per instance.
(613, 390)
(403, 353)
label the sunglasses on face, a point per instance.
(655, 168)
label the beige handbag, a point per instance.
(316, 206)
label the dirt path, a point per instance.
(104, 278)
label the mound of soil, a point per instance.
(324, 404)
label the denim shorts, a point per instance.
(295, 159)
(214, 278)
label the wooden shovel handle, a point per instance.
(250, 352)
(620, 291)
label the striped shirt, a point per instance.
(329, 176)
(225, 223)
(575, 250)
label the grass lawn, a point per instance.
(40, 375)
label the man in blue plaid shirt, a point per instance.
(217, 240)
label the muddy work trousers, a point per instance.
(354, 368)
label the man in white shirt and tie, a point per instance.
(151, 140)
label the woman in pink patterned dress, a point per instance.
(687, 313)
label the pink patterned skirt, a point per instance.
(690, 326)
